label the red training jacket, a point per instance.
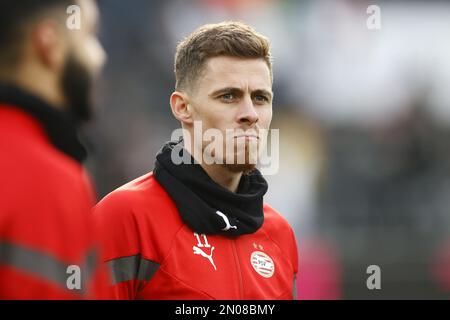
(46, 232)
(153, 255)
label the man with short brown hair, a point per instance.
(197, 226)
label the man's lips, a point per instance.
(247, 137)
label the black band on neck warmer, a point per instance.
(205, 206)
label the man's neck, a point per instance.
(46, 88)
(221, 175)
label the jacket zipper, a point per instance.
(238, 266)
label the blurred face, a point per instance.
(234, 96)
(84, 60)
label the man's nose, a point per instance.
(248, 114)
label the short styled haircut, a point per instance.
(233, 39)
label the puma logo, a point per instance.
(227, 222)
(203, 244)
(199, 251)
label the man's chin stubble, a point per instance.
(240, 168)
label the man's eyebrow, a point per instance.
(240, 91)
(225, 91)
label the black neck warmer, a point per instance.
(205, 206)
(59, 126)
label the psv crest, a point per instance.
(263, 264)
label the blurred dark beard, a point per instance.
(76, 84)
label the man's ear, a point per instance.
(181, 109)
(49, 45)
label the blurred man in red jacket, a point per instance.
(49, 54)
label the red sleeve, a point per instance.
(44, 230)
(294, 255)
(120, 242)
(281, 233)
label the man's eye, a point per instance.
(261, 98)
(227, 97)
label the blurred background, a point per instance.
(364, 120)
